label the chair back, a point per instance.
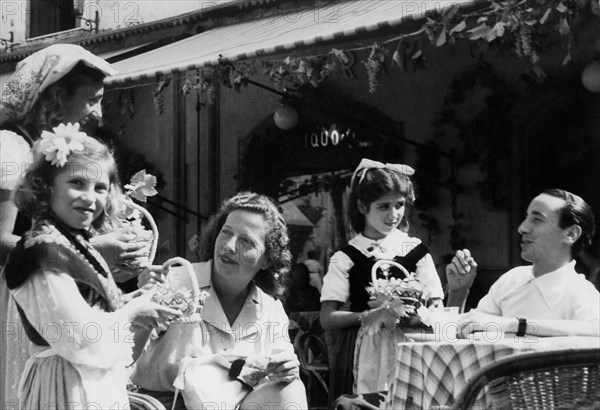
(312, 352)
(138, 401)
(557, 379)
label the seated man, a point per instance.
(547, 298)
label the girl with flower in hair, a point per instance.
(59, 84)
(379, 196)
(72, 311)
(245, 254)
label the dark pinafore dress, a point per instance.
(342, 377)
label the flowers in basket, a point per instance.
(396, 297)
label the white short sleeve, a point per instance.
(15, 156)
(428, 275)
(336, 283)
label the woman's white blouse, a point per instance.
(261, 327)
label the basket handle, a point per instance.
(153, 227)
(387, 262)
(190, 271)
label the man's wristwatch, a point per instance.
(522, 328)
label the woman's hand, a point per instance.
(124, 251)
(284, 367)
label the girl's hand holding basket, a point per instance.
(396, 295)
(176, 288)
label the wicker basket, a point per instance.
(186, 295)
(409, 296)
(188, 298)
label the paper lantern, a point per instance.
(286, 117)
(590, 77)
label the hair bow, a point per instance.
(367, 164)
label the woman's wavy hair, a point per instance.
(49, 109)
(375, 183)
(34, 193)
(270, 280)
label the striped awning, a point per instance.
(277, 32)
(109, 55)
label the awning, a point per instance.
(108, 55)
(276, 33)
(293, 216)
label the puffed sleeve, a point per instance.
(428, 275)
(336, 285)
(81, 334)
(15, 156)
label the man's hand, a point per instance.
(461, 272)
(474, 321)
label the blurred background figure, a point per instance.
(300, 295)
(315, 269)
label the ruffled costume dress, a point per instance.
(68, 300)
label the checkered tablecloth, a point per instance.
(432, 374)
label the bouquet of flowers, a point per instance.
(396, 297)
(140, 187)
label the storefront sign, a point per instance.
(332, 136)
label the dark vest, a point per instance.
(360, 273)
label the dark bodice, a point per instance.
(360, 273)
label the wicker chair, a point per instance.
(563, 379)
(138, 401)
(312, 354)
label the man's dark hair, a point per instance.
(575, 212)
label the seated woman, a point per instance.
(300, 295)
(245, 254)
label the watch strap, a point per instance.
(522, 327)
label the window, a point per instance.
(50, 16)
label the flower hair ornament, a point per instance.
(58, 145)
(367, 164)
